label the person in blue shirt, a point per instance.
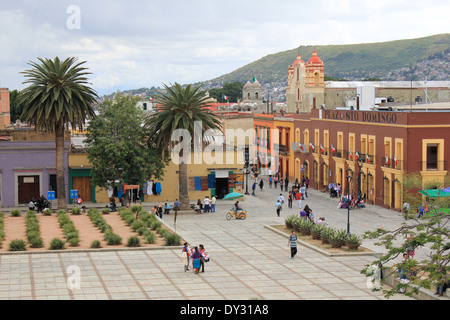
(421, 208)
(278, 207)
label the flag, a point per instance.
(395, 160)
(301, 147)
(367, 158)
(254, 79)
(351, 155)
(311, 146)
(387, 160)
(333, 149)
(356, 155)
(225, 97)
(322, 149)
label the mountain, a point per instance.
(384, 60)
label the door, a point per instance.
(28, 188)
(84, 187)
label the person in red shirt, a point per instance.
(298, 197)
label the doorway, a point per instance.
(84, 187)
(222, 188)
(28, 188)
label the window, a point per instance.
(432, 156)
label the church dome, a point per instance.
(315, 58)
(299, 60)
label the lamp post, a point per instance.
(246, 172)
(349, 177)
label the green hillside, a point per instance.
(356, 60)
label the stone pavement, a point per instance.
(248, 261)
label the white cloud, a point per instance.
(130, 44)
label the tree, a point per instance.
(233, 90)
(430, 234)
(117, 144)
(58, 98)
(180, 108)
(15, 108)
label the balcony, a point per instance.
(434, 165)
(391, 163)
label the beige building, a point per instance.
(4, 108)
(306, 86)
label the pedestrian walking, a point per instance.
(213, 204)
(275, 181)
(278, 207)
(270, 182)
(281, 184)
(292, 243)
(290, 198)
(253, 188)
(286, 184)
(261, 185)
(186, 252)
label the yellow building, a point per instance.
(210, 174)
(285, 157)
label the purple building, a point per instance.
(27, 166)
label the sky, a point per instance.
(136, 43)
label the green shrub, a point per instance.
(112, 239)
(74, 242)
(2, 227)
(57, 244)
(289, 221)
(47, 212)
(76, 211)
(137, 224)
(35, 240)
(338, 238)
(106, 211)
(155, 225)
(353, 242)
(134, 242)
(316, 230)
(33, 230)
(16, 213)
(136, 209)
(326, 234)
(171, 239)
(17, 245)
(69, 229)
(96, 244)
(150, 237)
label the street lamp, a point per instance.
(246, 181)
(349, 178)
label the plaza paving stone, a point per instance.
(248, 261)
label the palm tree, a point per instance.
(180, 108)
(58, 97)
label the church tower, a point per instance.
(306, 85)
(296, 85)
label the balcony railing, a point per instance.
(391, 163)
(434, 165)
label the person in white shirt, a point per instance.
(207, 202)
(213, 204)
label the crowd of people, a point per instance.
(196, 257)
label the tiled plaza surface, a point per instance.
(248, 261)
